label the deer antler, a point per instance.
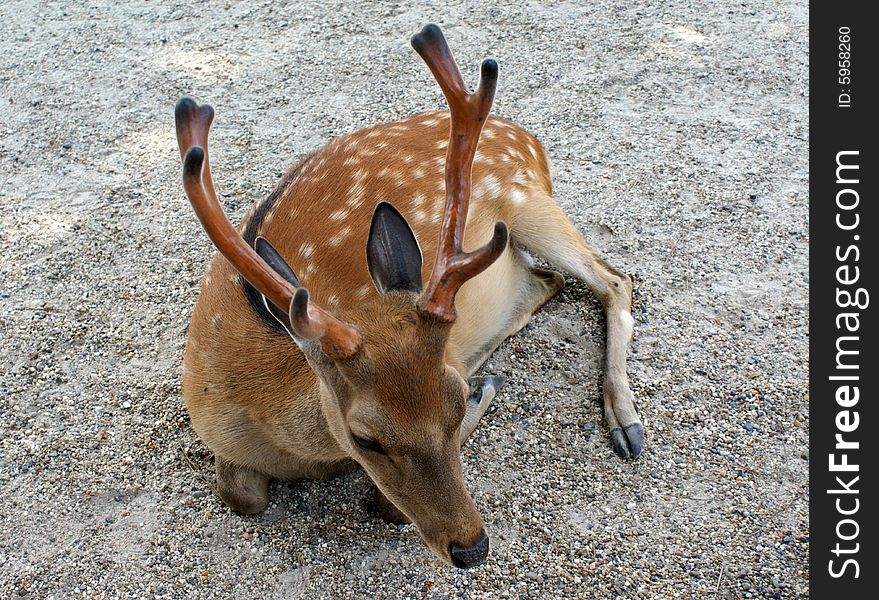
(468, 111)
(308, 320)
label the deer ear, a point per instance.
(273, 259)
(392, 252)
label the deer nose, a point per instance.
(465, 557)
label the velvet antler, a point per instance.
(468, 111)
(308, 320)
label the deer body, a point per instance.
(377, 374)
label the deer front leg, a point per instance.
(484, 391)
(243, 490)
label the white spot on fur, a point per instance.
(340, 236)
(628, 324)
(418, 173)
(362, 292)
(307, 270)
(351, 161)
(340, 215)
(516, 196)
(352, 144)
(442, 144)
(489, 133)
(488, 186)
(418, 200)
(306, 250)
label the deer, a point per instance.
(318, 342)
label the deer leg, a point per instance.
(484, 391)
(547, 232)
(242, 489)
(539, 286)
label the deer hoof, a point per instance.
(628, 441)
(484, 385)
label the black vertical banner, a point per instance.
(844, 300)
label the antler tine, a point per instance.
(193, 123)
(468, 111)
(306, 319)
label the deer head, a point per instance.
(389, 394)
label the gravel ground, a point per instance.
(678, 132)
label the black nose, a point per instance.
(464, 558)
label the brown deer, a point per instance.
(378, 366)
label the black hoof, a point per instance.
(480, 385)
(628, 442)
(619, 442)
(635, 435)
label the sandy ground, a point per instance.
(678, 136)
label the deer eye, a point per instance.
(368, 445)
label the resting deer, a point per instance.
(377, 369)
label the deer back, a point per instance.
(319, 218)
